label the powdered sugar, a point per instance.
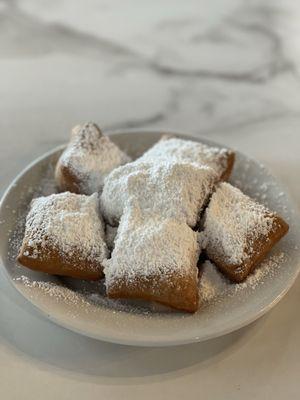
(147, 246)
(214, 285)
(69, 222)
(232, 223)
(268, 267)
(187, 151)
(101, 301)
(91, 156)
(110, 235)
(54, 290)
(170, 189)
(87, 299)
(157, 200)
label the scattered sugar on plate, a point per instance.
(83, 298)
(214, 285)
(55, 290)
(267, 268)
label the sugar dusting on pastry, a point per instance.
(171, 189)
(91, 157)
(69, 222)
(110, 235)
(157, 204)
(212, 284)
(181, 150)
(148, 246)
(157, 200)
(233, 222)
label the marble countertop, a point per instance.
(227, 70)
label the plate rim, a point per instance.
(146, 342)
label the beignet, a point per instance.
(64, 235)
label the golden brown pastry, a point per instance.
(154, 259)
(156, 250)
(221, 160)
(64, 236)
(239, 232)
(87, 160)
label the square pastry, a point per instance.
(239, 232)
(158, 200)
(154, 259)
(221, 160)
(178, 190)
(87, 160)
(64, 235)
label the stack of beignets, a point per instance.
(152, 207)
(155, 245)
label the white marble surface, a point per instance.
(224, 69)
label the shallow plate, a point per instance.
(83, 307)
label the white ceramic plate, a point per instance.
(84, 308)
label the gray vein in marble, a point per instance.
(272, 66)
(158, 118)
(21, 33)
(46, 37)
(278, 62)
(238, 92)
(233, 126)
